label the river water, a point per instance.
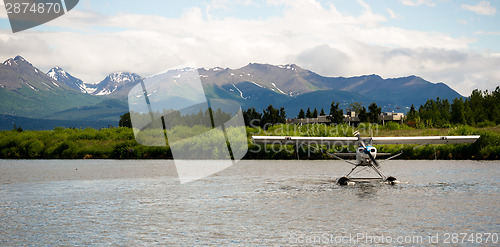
(141, 202)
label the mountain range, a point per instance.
(57, 97)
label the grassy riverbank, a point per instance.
(119, 143)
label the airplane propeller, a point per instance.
(375, 163)
(373, 160)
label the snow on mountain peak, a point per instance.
(13, 61)
(114, 82)
(120, 77)
(9, 62)
(56, 73)
(16, 61)
(19, 58)
(287, 66)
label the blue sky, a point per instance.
(455, 42)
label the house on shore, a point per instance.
(350, 118)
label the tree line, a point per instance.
(481, 108)
(272, 116)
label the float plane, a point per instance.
(365, 152)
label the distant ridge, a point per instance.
(8, 122)
(258, 85)
(57, 95)
(28, 92)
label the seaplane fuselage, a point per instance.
(362, 154)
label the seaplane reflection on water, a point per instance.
(365, 152)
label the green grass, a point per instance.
(119, 143)
(113, 143)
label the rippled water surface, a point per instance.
(98, 202)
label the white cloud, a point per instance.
(392, 14)
(318, 38)
(418, 2)
(223, 4)
(368, 16)
(482, 8)
(461, 70)
(325, 59)
(219, 4)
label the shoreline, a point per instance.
(119, 143)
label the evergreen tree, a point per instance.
(199, 117)
(374, 112)
(272, 116)
(308, 113)
(125, 120)
(469, 114)
(301, 114)
(458, 111)
(429, 112)
(218, 117)
(492, 105)
(363, 115)
(252, 117)
(282, 115)
(412, 114)
(322, 112)
(315, 113)
(435, 113)
(444, 109)
(336, 114)
(476, 104)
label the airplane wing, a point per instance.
(344, 141)
(424, 140)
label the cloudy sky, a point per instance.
(450, 41)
